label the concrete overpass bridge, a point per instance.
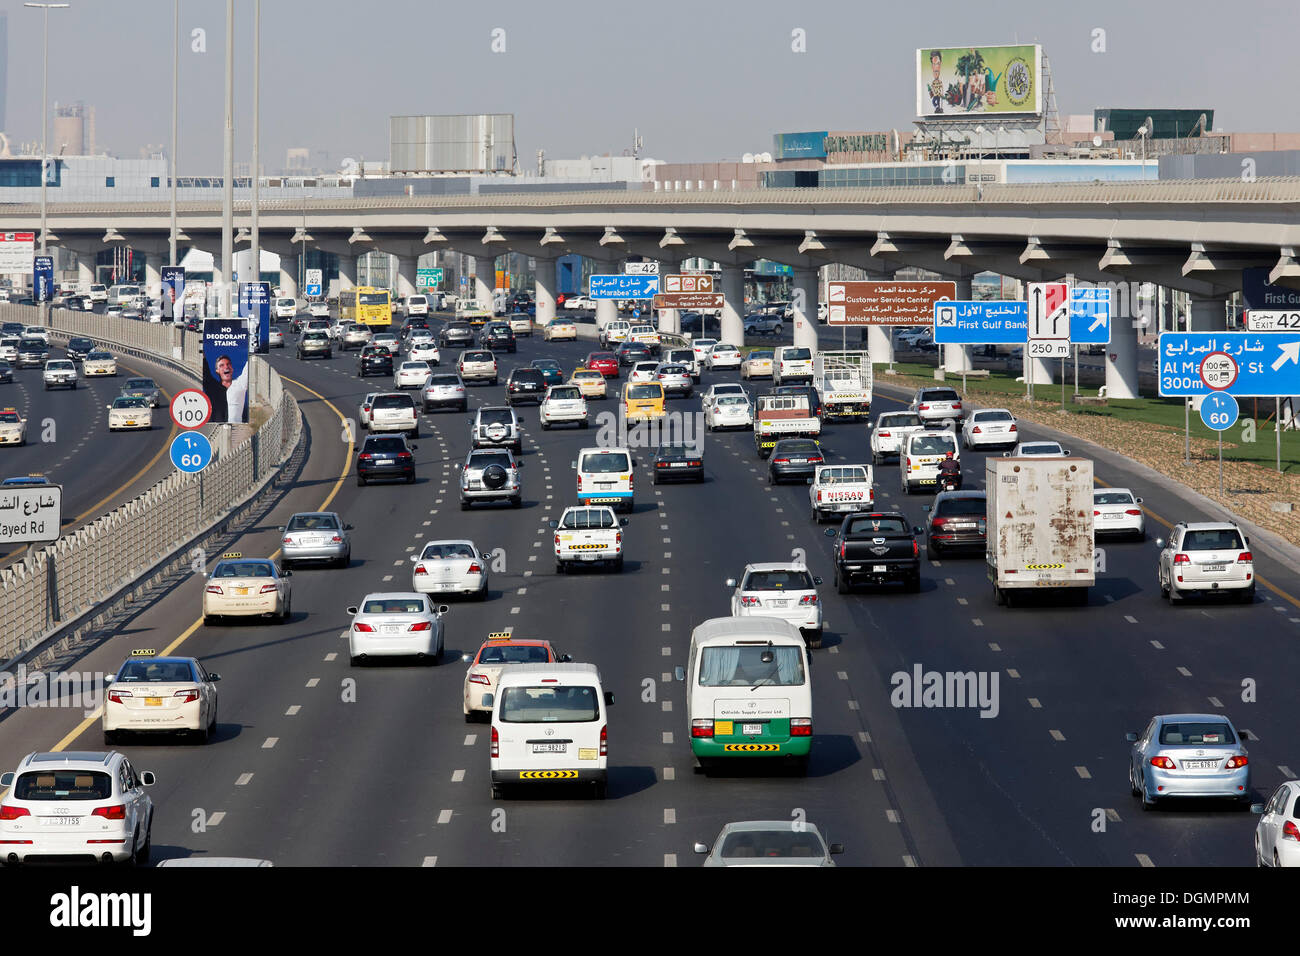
(1192, 235)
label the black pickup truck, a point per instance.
(876, 548)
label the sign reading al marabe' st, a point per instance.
(1244, 364)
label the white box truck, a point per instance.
(843, 380)
(1040, 529)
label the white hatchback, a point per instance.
(889, 431)
(411, 374)
(729, 411)
(644, 372)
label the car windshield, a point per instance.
(743, 666)
(496, 416)
(763, 354)
(393, 606)
(527, 375)
(933, 445)
(372, 298)
(556, 704)
(243, 569)
(587, 518)
(1112, 498)
(61, 365)
(564, 393)
(681, 355)
(602, 357)
(1197, 732)
(10, 418)
(545, 364)
(445, 550)
(393, 401)
(605, 462)
(590, 375)
(384, 445)
(514, 654)
(313, 523)
(375, 351)
(1226, 539)
(127, 402)
(877, 525)
(478, 356)
(771, 844)
(140, 383)
(415, 366)
(80, 344)
(962, 506)
(723, 347)
(705, 343)
(488, 459)
(777, 581)
(64, 785)
(993, 417)
(153, 672)
(672, 370)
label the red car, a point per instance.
(606, 363)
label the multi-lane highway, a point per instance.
(319, 763)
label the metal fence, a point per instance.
(58, 585)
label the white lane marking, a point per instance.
(1013, 673)
(430, 861)
(877, 773)
(457, 776)
(313, 682)
(293, 710)
(388, 577)
(243, 780)
(1157, 645)
(668, 736)
(1112, 815)
(864, 737)
(331, 656)
(270, 742)
(444, 816)
(892, 816)
(1083, 773)
(853, 705)
(668, 554)
(1215, 702)
(663, 527)
(670, 815)
(835, 648)
(1130, 618)
(842, 675)
(1057, 735)
(522, 591)
(528, 574)
(666, 651)
(216, 817)
(1184, 671)
(470, 739)
(1109, 598)
(1286, 772)
(1144, 860)
(514, 610)
(665, 607)
(667, 570)
(533, 558)
(663, 587)
(949, 581)
(977, 622)
(961, 601)
(994, 646)
(909, 860)
(670, 859)
(670, 773)
(668, 705)
(1035, 703)
(665, 626)
(397, 564)
(427, 523)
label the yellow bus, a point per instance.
(366, 306)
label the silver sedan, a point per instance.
(396, 624)
(769, 843)
(1188, 755)
(675, 378)
(315, 536)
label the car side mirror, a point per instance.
(1160, 543)
(679, 673)
(566, 658)
(808, 481)
(108, 679)
(1257, 808)
(348, 527)
(7, 779)
(286, 574)
(1006, 454)
(213, 678)
(1138, 500)
(829, 532)
(416, 557)
(441, 609)
(553, 523)
(623, 522)
(730, 582)
(519, 463)
(352, 611)
(466, 658)
(701, 848)
(633, 462)
(1067, 452)
(609, 698)
(917, 529)
(925, 508)
(817, 581)
(1131, 738)
(836, 849)
(147, 778)
(573, 465)
(109, 407)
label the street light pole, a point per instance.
(176, 73)
(45, 123)
(257, 130)
(228, 192)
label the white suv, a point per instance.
(781, 590)
(496, 426)
(1206, 556)
(61, 373)
(76, 805)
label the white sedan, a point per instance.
(160, 695)
(388, 340)
(247, 588)
(1037, 449)
(729, 411)
(989, 426)
(1118, 511)
(701, 348)
(425, 350)
(563, 403)
(126, 412)
(1277, 836)
(724, 355)
(411, 374)
(714, 392)
(393, 624)
(451, 567)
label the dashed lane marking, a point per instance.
(270, 742)
(243, 779)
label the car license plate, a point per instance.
(778, 603)
(604, 484)
(475, 486)
(1214, 567)
(384, 461)
(678, 464)
(878, 569)
(549, 748)
(962, 527)
(153, 701)
(1200, 764)
(751, 730)
(60, 821)
(798, 461)
(241, 590)
(392, 629)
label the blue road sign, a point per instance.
(624, 287)
(636, 313)
(1245, 364)
(313, 288)
(191, 452)
(1219, 411)
(43, 278)
(1090, 316)
(981, 323)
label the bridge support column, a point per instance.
(289, 276)
(544, 290)
(669, 319)
(733, 305)
(956, 358)
(1122, 359)
(804, 304)
(348, 270)
(1207, 314)
(406, 275)
(607, 309)
(485, 280)
(880, 343)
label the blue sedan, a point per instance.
(1188, 755)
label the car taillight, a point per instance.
(8, 812)
(976, 431)
(844, 545)
(288, 541)
(924, 408)
(365, 628)
(750, 601)
(780, 461)
(800, 726)
(604, 741)
(187, 696)
(496, 743)
(116, 812)
(884, 434)
(404, 456)
(1163, 763)
(1012, 427)
(1235, 762)
(808, 600)
(215, 589)
(938, 522)
(1133, 511)
(956, 406)
(118, 696)
(579, 481)
(336, 539)
(1182, 559)
(420, 626)
(1289, 831)
(701, 727)
(819, 496)
(557, 542)
(480, 679)
(1245, 557)
(269, 588)
(365, 456)
(1095, 512)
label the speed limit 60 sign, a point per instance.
(191, 452)
(191, 408)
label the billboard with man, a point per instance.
(225, 369)
(961, 81)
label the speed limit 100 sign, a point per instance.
(191, 408)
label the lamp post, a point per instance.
(226, 308)
(257, 130)
(45, 119)
(176, 73)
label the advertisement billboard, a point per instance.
(225, 369)
(255, 306)
(961, 81)
(173, 290)
(16, 251)
(799, 145)
(43, 278)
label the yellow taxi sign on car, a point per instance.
(233, 554)
(500, 636)
(144, 652)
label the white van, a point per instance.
(605, 477)
(792, 364)
(285, 307)
(548, 725)
(122, 294)
(921, 453)
(749, 692)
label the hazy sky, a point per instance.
(701, 79)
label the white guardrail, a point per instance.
(58, 586)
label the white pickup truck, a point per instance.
(843, 380)
(840, 489)
(782, 416)
(586, 534)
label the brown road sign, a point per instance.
(885, 303)
(688, 283)
(689, 300)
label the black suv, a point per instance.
(497, 336)
(385, 456)
(456, 333)
(79, 348)
(374, 360)
(629, 353)
(525, 385)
